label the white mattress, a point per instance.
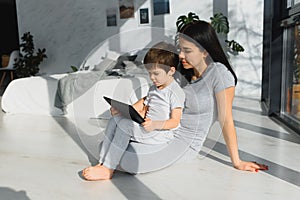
(35, 95)
(92, 104)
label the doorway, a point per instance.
(9, 39)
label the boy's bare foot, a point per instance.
(97, 172)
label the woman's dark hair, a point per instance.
(162, 55)
(204, 36)
(187, 74)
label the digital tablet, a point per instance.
(125, 109)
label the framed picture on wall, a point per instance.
(111, 17)
(126, 8)
(144, 16)
(161, 7)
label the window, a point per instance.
(296, 1)
(291, 77)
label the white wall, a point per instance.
(246, 19)
(70, 29)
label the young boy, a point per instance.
(161, 108)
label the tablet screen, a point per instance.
(125, 109)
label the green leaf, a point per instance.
(235, 46)
(74, 68)
(220, 23)
(184, 20)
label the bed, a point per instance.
(79, 94)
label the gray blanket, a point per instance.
(76, 84)
(73, 86)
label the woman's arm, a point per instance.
(173, 122)
(224, 102)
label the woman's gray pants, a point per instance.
(118, 151)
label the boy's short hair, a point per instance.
(162, 55)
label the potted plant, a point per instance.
(219, 22)
(29, 60)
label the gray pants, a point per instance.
(139, 156)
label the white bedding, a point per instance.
(92, 104)
(35, 95)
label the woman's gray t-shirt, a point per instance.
(200, 109)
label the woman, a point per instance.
(209, 98)
(201, 51)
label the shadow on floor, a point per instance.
(276, 170)
(123, 181)
(8, 193)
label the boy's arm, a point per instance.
(171, 123)
(174, 121)
(140, 107)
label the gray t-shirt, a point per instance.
(200, 110)
(162, 102)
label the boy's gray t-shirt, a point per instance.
(162, 102)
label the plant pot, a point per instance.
(5, 60)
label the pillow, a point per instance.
(141, 55)
(120, 61)
(135, 68)
(130, 57)
(106, 64)
(113, 55)
(129, 65)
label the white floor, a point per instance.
(41, 156)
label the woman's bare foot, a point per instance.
(97, 172)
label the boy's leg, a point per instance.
(119, 143)
(108, 137)
(114, 153)
(126, 131)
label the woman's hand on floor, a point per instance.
(251, 166)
